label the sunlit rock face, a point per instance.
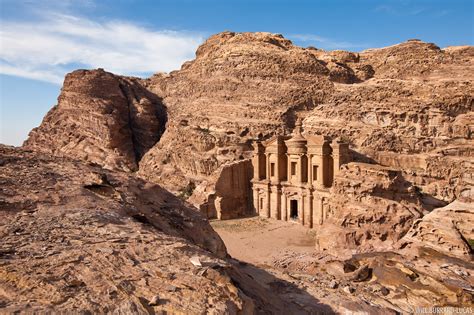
(370, 208)
(102, 118)
(396, 221)
(407, 107)
(240, 87)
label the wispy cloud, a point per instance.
(56, 43)
(408, 9)
(326, 43)
(400, 11)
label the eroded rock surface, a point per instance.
(407, 107)
(102, 118)
(227, 196)
(449, 230)
(240, 87)
(77, 238)
(370, 208)
(412, 99)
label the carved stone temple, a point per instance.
(292, 176)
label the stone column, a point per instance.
(259, 161)
(320, 170)
(267, 203)
(321, 214)
(323, 210)
(309, 211)
(315, 212)
(291, 177)
(267, 155)
(284, 210)
(275, 202)
(310, 170)
(302, 212)
(299, 169)
(256, 201)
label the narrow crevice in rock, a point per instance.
(147, 117)
(130, 122)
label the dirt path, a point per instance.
(281, 256)
(259, 241)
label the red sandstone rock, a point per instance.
(101, 118)
(408, 107)
(77, 238)
(370, 208)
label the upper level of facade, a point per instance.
(297, 160)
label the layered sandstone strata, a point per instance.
(370, 208)
(407, 106)
(77, 238)
(101, 118)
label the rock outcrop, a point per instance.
(100, 241)
(101, 118)
(449, 230)
(77, 238)
(370, 208)
(240, 87)
(226, 197)
(408, 107)
(415, 114)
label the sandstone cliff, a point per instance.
(239, 88)
(408, 107)
(101, 118)
(77, 238)
(370, 208)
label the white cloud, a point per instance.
(57, 43)
(326, 43)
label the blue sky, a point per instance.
(42, 40)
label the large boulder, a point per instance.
(449, 230)
(370, 208)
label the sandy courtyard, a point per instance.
(259, 241)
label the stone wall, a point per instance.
(230, 195)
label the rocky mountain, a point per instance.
(102, 118)
(84, 201)
(408, 107)
(77, 238)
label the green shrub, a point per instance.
(187, 191)
(471, 243)
(203, 130)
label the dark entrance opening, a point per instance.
(293, 209)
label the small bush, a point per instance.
(471, 243)
(204, 130)
(187, 191)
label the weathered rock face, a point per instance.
(407, 106)
(448, 230)
(417, 108)
(408, 98)
(370, 208)
(401, 283)
(100, 241)
(226, 197)
(101, 118)
(77, 238)
(239, 87)
(411, 98)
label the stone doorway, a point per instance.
(294, 209)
